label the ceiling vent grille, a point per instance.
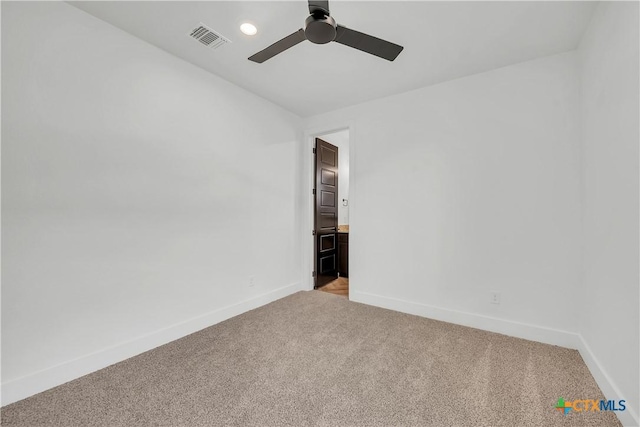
(208, 37)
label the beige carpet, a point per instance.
(318, 359)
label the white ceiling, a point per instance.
(442, 41)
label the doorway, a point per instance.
(331, 212)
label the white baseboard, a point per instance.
(45, 379)
(629, 417)
(492, 324)
(515, 329)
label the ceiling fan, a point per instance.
(321, 28)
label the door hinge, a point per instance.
(314, 151)
(313, 274)
(313, 232)
(314, 191)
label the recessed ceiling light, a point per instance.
(248, 29)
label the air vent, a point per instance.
(208, 37)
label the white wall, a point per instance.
(610, 123)
(138, 192)
(341, 140)
(466, 187)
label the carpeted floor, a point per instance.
(318, 359)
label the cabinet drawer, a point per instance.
(343, 254)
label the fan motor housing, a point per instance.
(320, 29)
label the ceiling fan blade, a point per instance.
(278, 47)
(322, 5)
(367, 43)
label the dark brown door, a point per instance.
(326, 213)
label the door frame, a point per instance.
(308, 200)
